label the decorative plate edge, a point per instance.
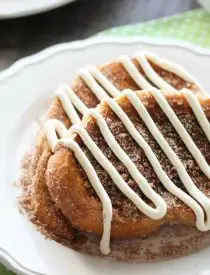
(13, 265)
(81, 44)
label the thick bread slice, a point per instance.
(36, 201)
(73, 194)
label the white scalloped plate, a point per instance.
(18, 8)
(24, 94)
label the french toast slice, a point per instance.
(73, 194)
(36, 200)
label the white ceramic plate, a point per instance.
(18, 8)
(24, 94)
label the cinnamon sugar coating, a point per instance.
(37, 201)
(74, 195)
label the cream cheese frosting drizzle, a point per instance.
(53, 127)
(192, 200)
(107, 85)
(134, 73)
(96, 184)
(198, 111)
(186, 138)
(102, 87)
(64, 95)
(167, 65)
(143, 59)
(154, 213)
(163, 177)
(184, 176)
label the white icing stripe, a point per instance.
(76, 101)
(184, 135)
(98, 187)
(151, 73)
(169, 66)
(102, 88)
(70, 100)
(108, 86)
(92, 84)
(163, 177)
(68, 106)
(198, 111)
(53, 126)
(161, 209)
(155, 78)
(143, 184)
(116, 177)
(184, 176)
(134, 73)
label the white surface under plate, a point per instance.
(24, 94)
(18, 8)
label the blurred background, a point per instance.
(24, 36)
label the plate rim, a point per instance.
(98, 39)
(35, 10)
(5, 258)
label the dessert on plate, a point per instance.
(131, 178)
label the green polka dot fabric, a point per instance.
(4, 271)
(193, 27)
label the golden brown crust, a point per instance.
(37, 197)
(68, 186)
